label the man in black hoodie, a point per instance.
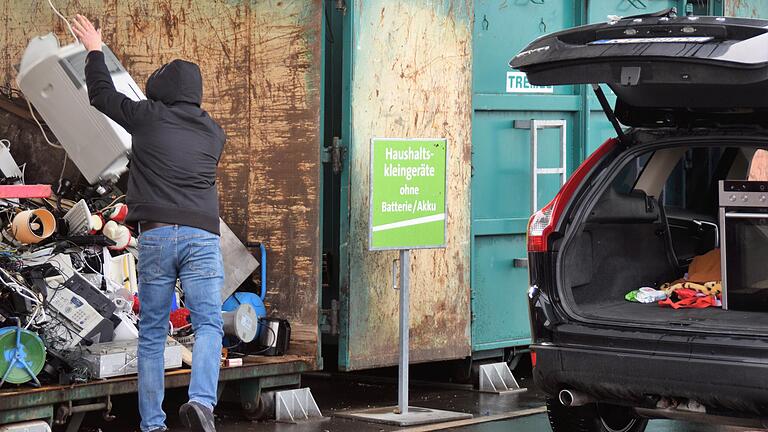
(172, 198)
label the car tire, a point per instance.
(593, 418)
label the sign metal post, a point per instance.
(407, 211)
(402, 382)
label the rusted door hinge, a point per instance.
(334, 154)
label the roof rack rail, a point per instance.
(668, 12)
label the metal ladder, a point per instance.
(534, 126)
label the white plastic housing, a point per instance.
(53, 79)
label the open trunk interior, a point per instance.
(653, 218)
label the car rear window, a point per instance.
(625, 182)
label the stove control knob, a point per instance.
(745, 198)
(732, 198)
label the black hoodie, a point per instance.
(176, 145)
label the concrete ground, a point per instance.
(340, 392)
(335, 395)
(540, 423)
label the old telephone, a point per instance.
(70, 302)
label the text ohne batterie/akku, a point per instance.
(408, 207)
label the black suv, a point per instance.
(691, 115)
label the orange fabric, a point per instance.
(705, 268)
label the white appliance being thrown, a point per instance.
(52, 78)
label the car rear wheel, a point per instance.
(593, 418)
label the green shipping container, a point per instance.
(525, 142)
(435, 68)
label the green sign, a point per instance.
(408, 185)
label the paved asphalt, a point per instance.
(343, 392)
(539, 423)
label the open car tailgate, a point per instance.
(665, 71)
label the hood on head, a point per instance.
(177, 81)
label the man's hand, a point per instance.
(87, 33)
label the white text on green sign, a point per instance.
(408, 193)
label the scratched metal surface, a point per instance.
(411, 78)
(261, 69)
(746, 8)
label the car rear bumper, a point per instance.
(640, 378)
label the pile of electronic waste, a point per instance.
(68, 288)
(69, 309)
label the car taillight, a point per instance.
(538, 229)
(542, 222)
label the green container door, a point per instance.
(509, 179)
(510, 117)
(406, 74)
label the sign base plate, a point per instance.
(416, 416)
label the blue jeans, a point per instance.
(193, 256)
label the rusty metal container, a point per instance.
(406, 74)
(262, 67)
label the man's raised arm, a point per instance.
(101, 90)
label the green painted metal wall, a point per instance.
(501, 158)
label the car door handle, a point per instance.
(520, 263)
